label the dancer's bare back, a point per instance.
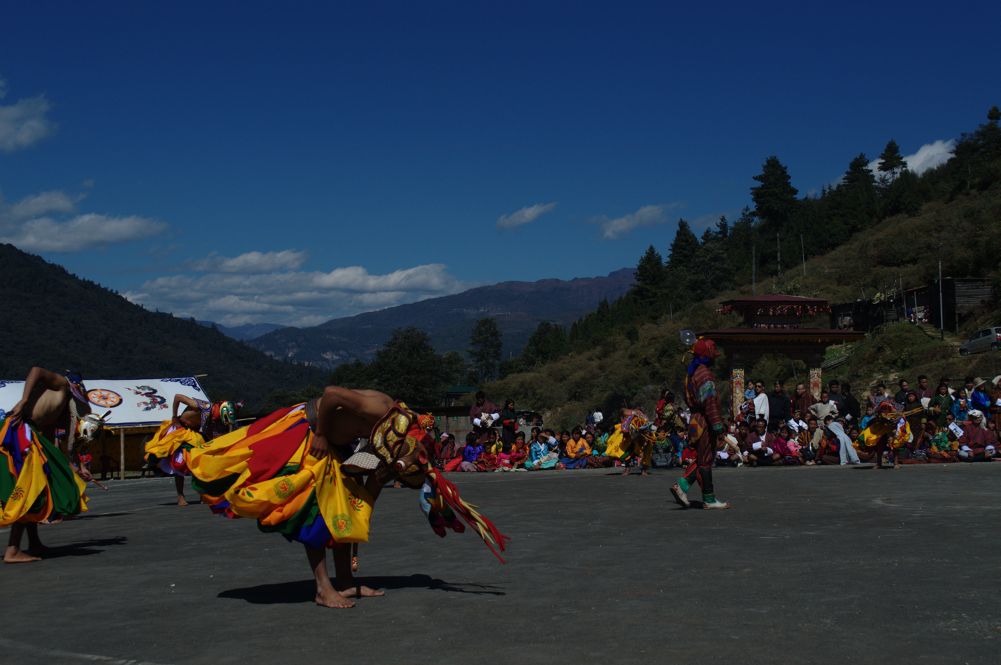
(44, 403)
(344, 415)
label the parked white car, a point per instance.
(988, 339)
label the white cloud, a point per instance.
(524, 215)
(43, 203)
(47, 222)
(24, 122)
(645, 216)
(252, 262)
(428, 277)
(44, 234)
(292, 297)
(927, 157)
(930, 155)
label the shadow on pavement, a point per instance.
(303, 591)
(99, 515)
(83, 548)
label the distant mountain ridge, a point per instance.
(518, 307)
(59, 321)
(245, 331)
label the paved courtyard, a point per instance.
(814, 565)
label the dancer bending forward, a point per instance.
(294, 472)
(199, 422)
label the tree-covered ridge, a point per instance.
(783, 230)
(59, 321)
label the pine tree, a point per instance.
(891, 162)
(976, 161)
(738, 247)
(650, 278)
(682, 275)
(485, 346)
(723, 228)
(684, 247)
(775, 197)
(548, 342)
(854, 202)
(408, 368)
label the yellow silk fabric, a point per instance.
(164, 443)
(878, 428)
(616, 444)
(345, 506)
(32, 483)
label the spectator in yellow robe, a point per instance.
(578, 450)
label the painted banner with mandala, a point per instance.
(132, 402)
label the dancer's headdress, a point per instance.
(399, 440)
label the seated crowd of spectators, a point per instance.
(943, 425)
(502, 441)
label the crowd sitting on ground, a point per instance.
(940, 425)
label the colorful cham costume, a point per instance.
(632, 439)
(266, 472)
(167, 450)
(887, 429)
(705, 427)
(37, 482)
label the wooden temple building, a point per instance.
(772, 324)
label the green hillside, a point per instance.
(56, 320)
(866, 236)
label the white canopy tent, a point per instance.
(133, 403)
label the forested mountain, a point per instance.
(59, 321)
(768, 243)
(517, 307)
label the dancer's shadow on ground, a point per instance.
(98, 516)
(302, 591)
(82, 548)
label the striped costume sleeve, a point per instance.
(707, 396)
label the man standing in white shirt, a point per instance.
(760, 400)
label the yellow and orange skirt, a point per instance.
(265, 472)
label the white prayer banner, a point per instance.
(132, 402)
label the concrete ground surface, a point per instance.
(813, 565)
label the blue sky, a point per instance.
(247, 162)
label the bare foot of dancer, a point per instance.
(330, 598)
(14, 555)
(356, 590)
(181, 501)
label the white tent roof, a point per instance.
(132, 402)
